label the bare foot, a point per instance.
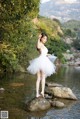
(42, 94)
(38, 95)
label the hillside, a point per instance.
(63, 12)
(72, 24)
(51, 27)
(72, 28)
(72, 37)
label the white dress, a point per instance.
(42, 63)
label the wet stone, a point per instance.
(38, 104)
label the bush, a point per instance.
(57, 47)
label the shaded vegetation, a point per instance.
(72, 24)
(18, 34)
(72, 29)
(57, 47)
(69, 32)
(76, 44)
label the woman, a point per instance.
(41, 65)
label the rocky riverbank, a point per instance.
(56, 96)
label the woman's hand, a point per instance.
(39, 42)
(40, 36)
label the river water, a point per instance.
(20, 88)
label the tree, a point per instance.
(69, 32)
(76, 44)
(15, 32)
(16, 9)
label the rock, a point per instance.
(50, 84)
(77, 68)
(38, 104)
(61, 92)
(2, 90)
(57, 104)
(17, 84)
(68, 103)
(48, 96)
(55, 93)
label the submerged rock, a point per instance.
(17, 84)
(61, 92)
(57, 104)
(38, 104)
(49, 84)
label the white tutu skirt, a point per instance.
(41, 63)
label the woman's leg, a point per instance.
(38, 83)
(43, 83)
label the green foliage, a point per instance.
(57, 47)
(16, 9)
(76, 44)
(50, 27)
(69, 32)
(71, 28)
(72, 24)
(19, 34)
(21, 39)
(8, 57)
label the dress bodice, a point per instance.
(44, 51)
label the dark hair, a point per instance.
(38, 49)
(42, 35)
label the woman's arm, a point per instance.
(39, 42)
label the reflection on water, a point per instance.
(20, 88)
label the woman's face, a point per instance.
(44, 39)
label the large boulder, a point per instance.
(61, 92)
(38, 104)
